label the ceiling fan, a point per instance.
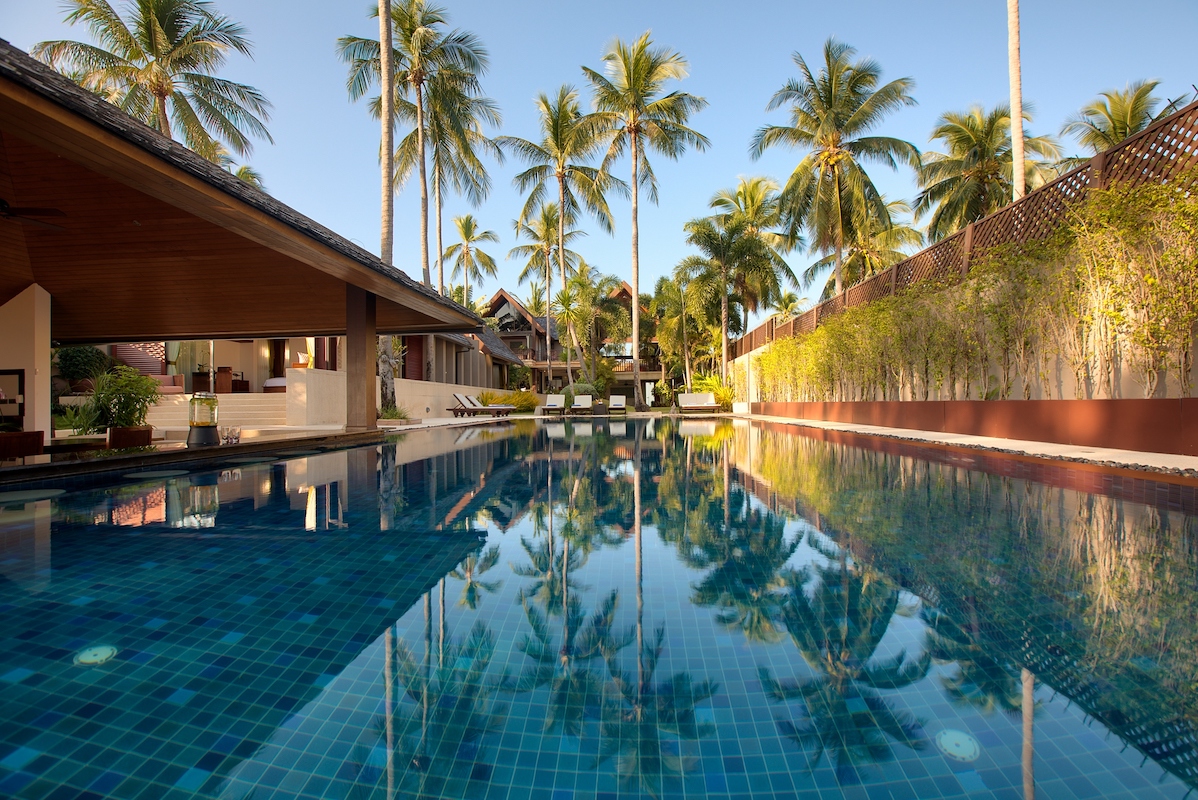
(26, 216)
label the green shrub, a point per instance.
(122, 399)
(79, 419)
(82, 363)
(394, 412)
(525, 402)
(663, 394)
(724, 394)
(490, 398)
(519, 378)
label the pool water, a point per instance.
(602, 610)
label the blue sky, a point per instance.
(324, 159)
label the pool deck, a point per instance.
(1136, 460)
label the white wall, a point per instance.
(315, 397)
(25, 338)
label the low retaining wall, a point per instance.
(1155, 426)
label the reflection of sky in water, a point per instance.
(865, 635)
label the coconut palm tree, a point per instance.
(422, 50)
(675, 301)
(158, 66)
(542, 232)
(1116, 115)
(633, 112)
(567, 139)
(1014, 68)
(535, 302)
(973, 177)
(468, 259)
(454, 116)
(729, 252)
(831, 114)
(597, 314)
(874, 247)
(789, 305)
(756, 202)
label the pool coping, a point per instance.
(1105, 458)
(36, 473)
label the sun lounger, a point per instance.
(617, 403)
(582, 404)
(464, 407)
(697, 401)
(497, 410)
(554, 404)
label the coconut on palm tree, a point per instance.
(832, 115)
(158, 64)
(636, 115)
(469, 260)
(875, 246)
(973, 176)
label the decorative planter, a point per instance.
(140, 436)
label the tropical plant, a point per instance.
(875, 246)
(423, 50)
(1015, 69)
(832, 113)
(1115, 115)
(454, 115)
(542, 232)
(972, 178)
(469, 260)
(730, 254)
(158, 64)
(636, 116)
(597, 315)
(122, 399)
(789, 305)
(755, 201)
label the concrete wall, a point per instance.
(25, 344)
(425, 399)
(315, 397)
(1156, 426)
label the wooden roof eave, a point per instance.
(70, 135)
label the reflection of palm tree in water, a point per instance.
(438, 733)
(981, 681)
(837, 630)
(644, 726)
(469, 571)
(574, 690)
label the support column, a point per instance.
(361, 339)
(25, 345)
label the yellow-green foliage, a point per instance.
(724, 394)
(525, 402)
(1118, 286)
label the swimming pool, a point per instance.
(600, 610)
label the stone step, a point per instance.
(246, 410)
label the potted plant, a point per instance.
(119, 405)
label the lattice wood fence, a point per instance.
(1158, 154)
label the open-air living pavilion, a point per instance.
(111, 232)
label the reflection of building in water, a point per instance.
(243, 594)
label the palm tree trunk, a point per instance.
(428, 278)
(388, 710)
(1029, 741)
(638, 400)
(548, 338)
(1013, 62)
(724, 333)
(387, 221)
(164, 121)
(440, 245)
(640, 582)
(686, 350)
